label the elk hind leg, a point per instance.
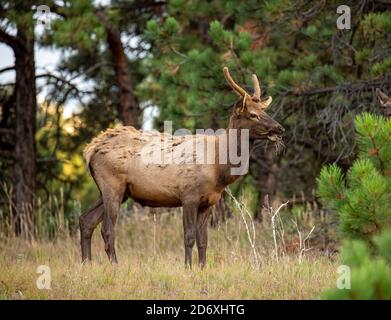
(88, 222)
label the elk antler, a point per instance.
(257, 88)
(267, 102)
(233, 84)
(382, 96)
(257, 93)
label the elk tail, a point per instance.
(88, 152)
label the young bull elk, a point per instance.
(115, 160)
(385, 103)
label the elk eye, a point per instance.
(253, 115)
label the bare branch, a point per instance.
(68, 82)
(9, 40)
(6, 69)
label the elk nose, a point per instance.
(279, 129)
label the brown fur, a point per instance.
(116, 161)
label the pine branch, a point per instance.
(352, 86)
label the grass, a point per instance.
(150, 253)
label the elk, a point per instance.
(385, 103)
(115, 161)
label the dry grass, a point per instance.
(150, 252)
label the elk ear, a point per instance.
(383, 98)
(265, 104)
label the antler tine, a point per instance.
(257, 87)
(380, 93)
(382, 96)
(233, 84)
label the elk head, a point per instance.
(385, 103)
(249, 113)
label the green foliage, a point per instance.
(152, 29)
(221, 36)
(171, 26)
(362, 199)
(331, 186)
(383, 245)
(379, 22)
(290, 78)
(370, 276)
(373, 141)
(80, 30)
(382, 68)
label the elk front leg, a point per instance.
(202, 235)
(88, 222)
(189, 230)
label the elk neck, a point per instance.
(233, 142)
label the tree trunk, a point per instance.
(24, 169)
(266, 183)
(128, 104)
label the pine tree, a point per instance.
(370, 270)
(18, 15)
(362, 199)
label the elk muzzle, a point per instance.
(274, 130)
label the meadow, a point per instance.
(151, 264)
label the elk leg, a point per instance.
(202, 235)
(189, 230)
(112, 204)
(88, 222)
